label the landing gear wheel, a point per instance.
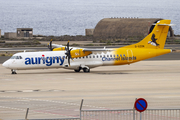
(86, 70)
(13, 71)
(78, 70)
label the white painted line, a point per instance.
(27, 90)
(66, 103)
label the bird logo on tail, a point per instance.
(153, 42)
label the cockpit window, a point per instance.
(16, 57)
(13, 57)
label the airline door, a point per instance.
(130, 55)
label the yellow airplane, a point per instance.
(83, 58)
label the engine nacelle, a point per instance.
(59, 49)
(79, 53)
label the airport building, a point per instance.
(20, 33)
(24, 32)
(10, 35)
(125, 27)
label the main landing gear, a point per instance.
(84, 69)
(13, 71)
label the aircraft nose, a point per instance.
(5, 64)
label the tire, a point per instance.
(78, 70)
(86, 70)
(13, 71)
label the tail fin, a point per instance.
(156, 39)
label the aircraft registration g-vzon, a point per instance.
(83, 58)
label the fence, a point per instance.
(131, 114)
(124, 114)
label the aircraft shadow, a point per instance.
(104, 72)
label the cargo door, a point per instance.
(130, 55)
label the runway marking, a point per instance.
(38, 111)
(69, 78)
(66, 103)
(26, 91)
(20, 102)
(12, 108)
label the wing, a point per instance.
(96, 51)
(57, 46)
(76, 52)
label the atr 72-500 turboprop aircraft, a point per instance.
(85, 59)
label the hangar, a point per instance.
(126, 27)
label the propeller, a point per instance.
(68, 53)
(50, 45)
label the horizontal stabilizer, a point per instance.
(165, 24)
(97, 50)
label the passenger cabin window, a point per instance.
(107, 55)
(97, 56)
(86, 56)
(110, 55)
(100, 56)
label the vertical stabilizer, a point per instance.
(156, 39)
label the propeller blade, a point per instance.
(50, 45)
(68, 52)
(68, 45)
(68, 60)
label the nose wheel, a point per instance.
(13, 71)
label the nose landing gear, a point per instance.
(13, 71)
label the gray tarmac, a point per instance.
(57, 93)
